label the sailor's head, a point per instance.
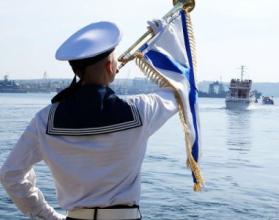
(90, 51)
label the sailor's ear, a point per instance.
(109, 67)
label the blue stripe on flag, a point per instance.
(165, 62)
(193, 89)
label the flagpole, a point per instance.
(131, 52)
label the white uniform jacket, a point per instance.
(89, 170)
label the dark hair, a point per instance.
(80, 65)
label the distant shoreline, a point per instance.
(132, 86)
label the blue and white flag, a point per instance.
(168, 60)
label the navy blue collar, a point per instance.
(92, 109)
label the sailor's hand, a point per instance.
(57, 216)
(156, 25)
(60, 216)
(52, 215)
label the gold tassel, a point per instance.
(197, 187)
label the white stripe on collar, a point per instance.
(51, 130)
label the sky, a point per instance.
(228, 34)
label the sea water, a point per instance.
(240, 162)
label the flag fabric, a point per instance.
(167, 59)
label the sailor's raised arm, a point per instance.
(156, 108)
(19, 179)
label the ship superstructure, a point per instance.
(239, 96)
(10, 86)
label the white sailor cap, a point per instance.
(90, 41)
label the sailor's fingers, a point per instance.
(156, 25)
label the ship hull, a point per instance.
(13, 90)
(238, 104)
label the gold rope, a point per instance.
(191, 39)
(152, 74)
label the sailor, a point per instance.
(93, 141)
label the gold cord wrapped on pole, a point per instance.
(129, 54)
(189, 6)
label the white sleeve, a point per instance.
(19, 179)
(156, 108)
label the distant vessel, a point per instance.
(9, 86)
(266, 100)
(239, 96)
